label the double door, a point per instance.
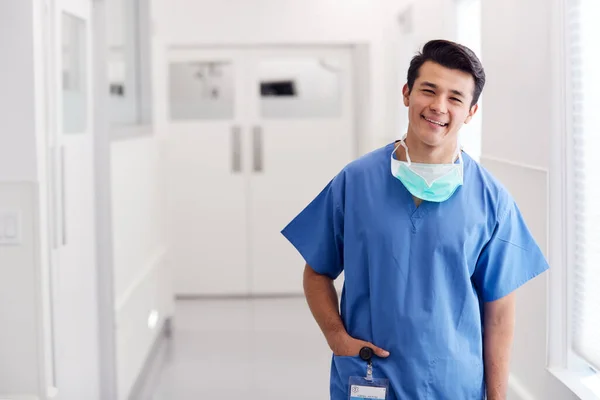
(254, 135)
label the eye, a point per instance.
(428, 91)
(455, 99)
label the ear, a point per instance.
(472, 112)
(405, 94)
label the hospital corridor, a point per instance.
(285, 199)
(241, 348)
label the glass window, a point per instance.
(74, 74)
(201, 90)
(127, 38)
(300, 88)
(583, 83)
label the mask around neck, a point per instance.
(429, 182)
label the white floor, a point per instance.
(244, 350)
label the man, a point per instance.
(431, 245)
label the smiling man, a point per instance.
(432, 248)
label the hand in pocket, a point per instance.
(346, 345)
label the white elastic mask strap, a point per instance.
(458, 152)
(406, 150)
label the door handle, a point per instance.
(55, 190)
(59, 237)
(236, 149)
(257, 146)
(63, 210)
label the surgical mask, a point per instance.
(429, 182)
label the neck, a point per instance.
(420, 152)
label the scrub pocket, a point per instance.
(450, 378)
(354, 369)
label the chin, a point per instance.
(432, 139)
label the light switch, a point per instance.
(10, 227)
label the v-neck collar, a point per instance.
(415, 214)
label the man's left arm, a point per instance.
(499, 322)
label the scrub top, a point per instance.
(416, 278)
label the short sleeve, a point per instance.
(317, 232)
(509, 259)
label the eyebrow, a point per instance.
(434, 86)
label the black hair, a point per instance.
(450, 55)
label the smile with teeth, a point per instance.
(434, 122)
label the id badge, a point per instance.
(362, 388)
(368, 387)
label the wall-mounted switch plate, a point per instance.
(10, 227)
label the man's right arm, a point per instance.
(323, 303)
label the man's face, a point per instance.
(439, 104)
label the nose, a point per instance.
(438, 105)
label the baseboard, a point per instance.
(144, 384)
(182, 297)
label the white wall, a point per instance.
(17, 114)
(266, 21)
(517, 129)
(19, 297)
(21, 351)
(142, 277)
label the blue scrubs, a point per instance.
(416, 277)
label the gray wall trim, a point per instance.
(145, 383)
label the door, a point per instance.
(302, 135)
(208, 171)
(254, 135)
(72, 255)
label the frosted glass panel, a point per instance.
(74, 74)
(201, 90)
(128, 62)
(300, 88)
